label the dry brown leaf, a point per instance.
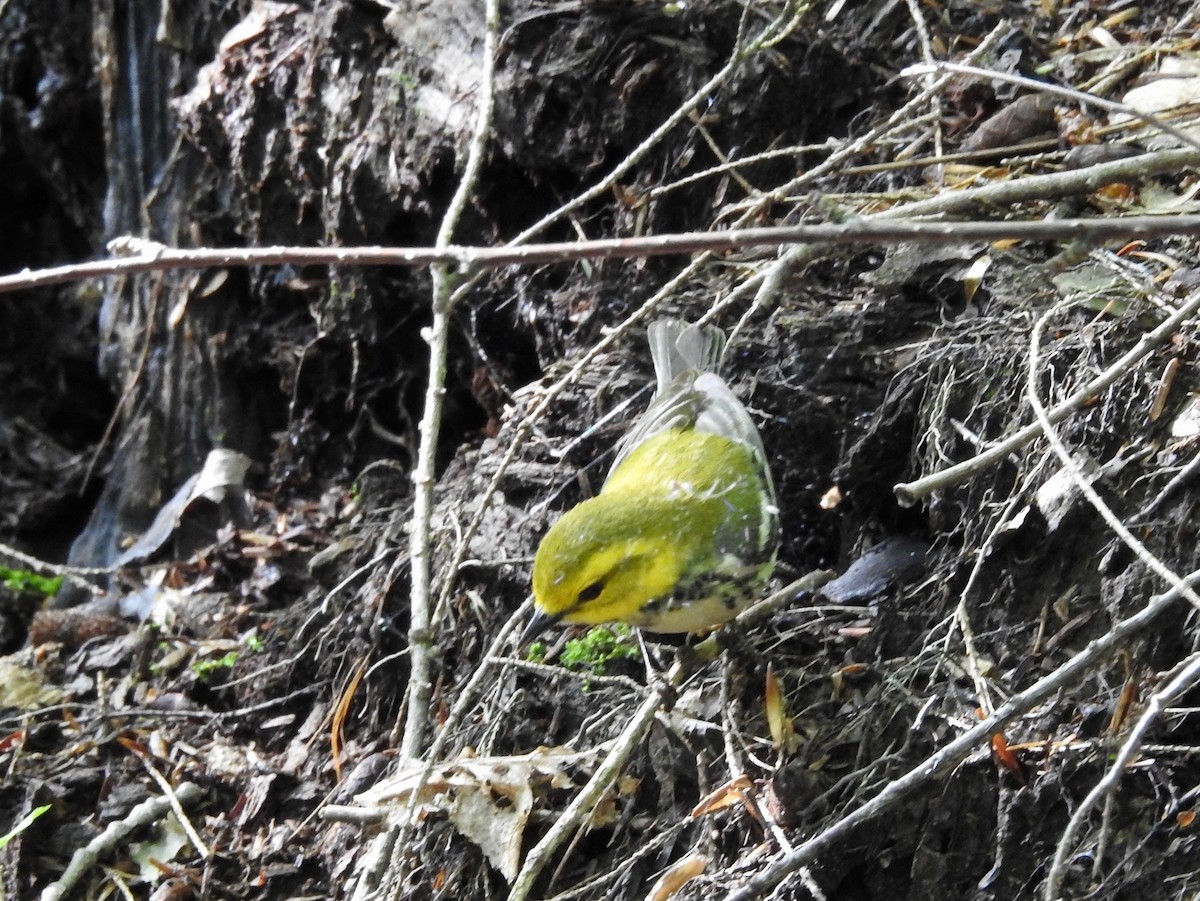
(677, 876)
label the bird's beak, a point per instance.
(538, 624)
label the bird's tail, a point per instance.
(677, 346)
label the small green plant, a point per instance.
(206, 669)
(600, 647)
(24, 580)
(253, 642)
(536, 652)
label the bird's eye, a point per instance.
(592, 592)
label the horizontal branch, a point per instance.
(856, 231)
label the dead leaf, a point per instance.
(1025, 118)
(24, 687)
(1187, 423)
(487, 799)
(1164, 389)
(722, 797)
(973, 278)
(677, 876)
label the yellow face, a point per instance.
(604, 560)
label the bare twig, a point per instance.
(1180, 479)
(935, 98)
(523, 256)
(171, 796)
(420, 637)
(585, 802)
(72, 574)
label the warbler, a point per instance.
(685, 528)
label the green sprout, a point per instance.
(24, 824)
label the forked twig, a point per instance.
(420, 637)
(144, 814)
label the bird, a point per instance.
(685, 529)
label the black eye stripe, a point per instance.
(591, 592)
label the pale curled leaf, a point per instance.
(165, 844)
(1187, 423)
(491, 809)
(488, 800)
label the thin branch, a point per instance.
(420, 637)
(883, 228)
(935, 99)
(72, 574)
(1180, 479)
(144, 814)
(1052, 186)
(172, 798)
